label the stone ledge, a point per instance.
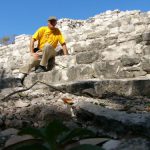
(108, 87)
(117, 121)
(99, 88)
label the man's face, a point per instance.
(52, 23)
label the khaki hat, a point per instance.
(52, 18)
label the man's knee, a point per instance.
(47, 46)
(49, 50)
(33, 61)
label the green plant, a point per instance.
(55, 136)
(5, 40)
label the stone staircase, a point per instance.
(109, 56)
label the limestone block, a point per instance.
(110, 40)
(73, 73)
(140, 28)
(87, 72)
(129, 61)
(146, 64)
(110, 53)
(127, 28)
(137, 123)
(106, 69)
(114, 24)
(139, 73)
(114, 30)
(64, 76)
(65, 61)
(56, 76)
(122, 38)
(146, 36)
(87, 57)
(128, 47)
(98, 21)
(138, 49)
(95, 45)
(97, 34)
(146, 50)
(135, 21)
(126, 87)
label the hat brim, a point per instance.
(52, 19)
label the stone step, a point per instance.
(98, 88)
(120, 122)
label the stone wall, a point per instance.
(14, 55)
(113, 44)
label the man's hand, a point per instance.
(35, 55)
(65, 50)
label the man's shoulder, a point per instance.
(42, 28)
(57, 30)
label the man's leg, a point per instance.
(26, 69)
(51, 63)
(48, 52)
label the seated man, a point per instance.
(48, 38)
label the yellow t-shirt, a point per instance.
(46, 35)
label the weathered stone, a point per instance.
(79, 72)
(96, 45)
(140, 28)
(16, 139)
(73, 73)
(110, 40)
(1, 122)
(138, 38)
(146, 37)
(131, 73)
(111, 144)
(127, 28)
(109, 54)
(114, 24)
(79, 47)
(127, 144)
(86, 72)
(97, 34)
(129, 61)
(133, 143)
(146, 50)
(21, 104)
(105, 37)
(87, 57)
(124, 87)
(65, 62)
(8, 132)
(15, 123)
(89, 92)
(146, 65)
(135, 122)
(106, 69)
(139, 73)
(56, 76)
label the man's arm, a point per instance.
(35, 55)
(65, 50)
(32, 45)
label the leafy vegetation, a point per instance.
(7, 40)
(55, 136)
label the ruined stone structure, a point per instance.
(113, 44)
(109, 61)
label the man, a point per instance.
(48, 38)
